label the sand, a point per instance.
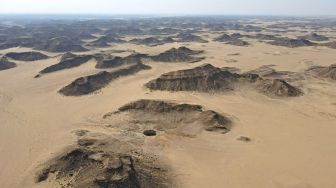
(292, 140)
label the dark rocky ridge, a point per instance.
(181, 54)
(188, 37)
(105, 40)
(314, 37)
(207, 78)
(324, 72)
(266, 71)
(225, 38)
(6, 64)
(92, 83)
(99, 43)
(26, 56)
(67, 61)
(233, 39)
(291, 43)
(202, 78)
(115, 61)
(263, 37)
(151, 41)
(238, 42)
(61, 44)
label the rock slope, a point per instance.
(26, 56)
(207, 78)
(6, 64)
(324, 72)
(92, 83)
(67, 61)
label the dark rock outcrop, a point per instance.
(314, 37)
(181, 54)
(177, 116)
(238, 43)
(67, 61)
(159, 106)
(101, 163)
(115, 61)
(92, 83)
(202, 78)
(188, 37)
(233, 39)
(6, 64)
(61, 44)
(291, 43)
(224, 38)
(323, 72)
(263, 37)
(26, 56)
(278, 87)
(105, 40)
(207, 78)
(151, 41)
(85, 35)
(99, 43)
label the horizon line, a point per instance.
(165, 14)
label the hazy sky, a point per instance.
(241, 7)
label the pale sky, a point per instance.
(208, 7)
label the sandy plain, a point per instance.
(292, 140)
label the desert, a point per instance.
(161, 102)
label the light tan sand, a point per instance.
(293, 140)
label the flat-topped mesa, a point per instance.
(324, 72)
(207, 78)
(202, 78)
(291, 43)
(27, 56)
(181, 54)
(159, 106)
(67, 61)
(103, 63)
(92, 83)
(185, 114)
(6, 64)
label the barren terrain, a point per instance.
(246, 135)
